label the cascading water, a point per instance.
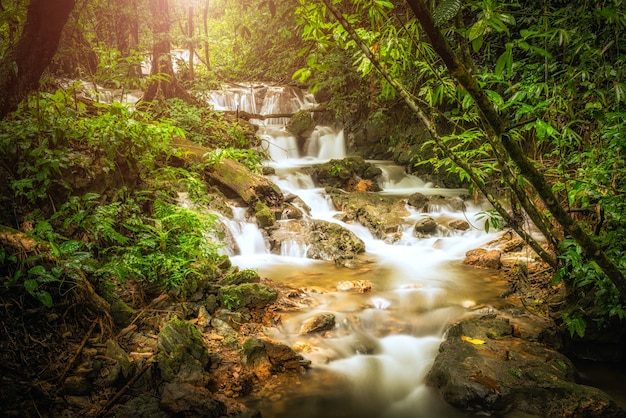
(386, 339)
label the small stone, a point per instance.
(459, 225)
(318, 323)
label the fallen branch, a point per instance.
(70, 364)
(125, 389)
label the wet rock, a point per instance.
(346, 173)
(265, 356)
(318, 323)
(186, 400)
(360, 286)
(417, 200)
(456, 203)
(459, 225)
(481, 257)
(290, 211)
(121, 313)
(301, 124)
(425, 227)
(264, 216)
(331, 241)
(382, 215)
(483, 367)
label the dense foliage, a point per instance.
(559, 89)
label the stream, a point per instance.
(373, 363)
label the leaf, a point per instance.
(472, 340)
(30, 285)
(37, 270)
(477, 30)
(45, 298)
(446, 11)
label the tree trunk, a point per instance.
(22, 66)
(205, 17)
(164, 84)
(192, 51)
(496, 128)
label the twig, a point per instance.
(125, 389)
(78, 351)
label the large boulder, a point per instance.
(301, 124)
(350, 173)
(264, 356)
(182, 357)
(382, 215)
(484, 367)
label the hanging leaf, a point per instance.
(472, 340)
(446, 11)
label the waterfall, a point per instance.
(385, 339)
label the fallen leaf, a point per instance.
(472, 340)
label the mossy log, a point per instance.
(237, 178)
(232, 177)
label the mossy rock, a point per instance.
(301, 124)
(122, 313)
(179, 333)
(246, 295)
(243, 276)
(264, 216)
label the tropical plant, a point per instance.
(492, 89)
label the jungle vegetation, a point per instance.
(524, 101)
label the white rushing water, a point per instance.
(385, 339)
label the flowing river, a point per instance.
(373, 363)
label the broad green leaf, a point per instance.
(37, 270)
(30, 285)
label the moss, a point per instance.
(243, 276)
(246, 295)
(264, 216)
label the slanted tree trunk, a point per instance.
(496, 128)
(164, 84)
(24, 62)
(411, 101)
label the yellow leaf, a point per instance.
(472, 340)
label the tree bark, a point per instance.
(496, 127)
(22, 66)
(164, 84)
(242, 182)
